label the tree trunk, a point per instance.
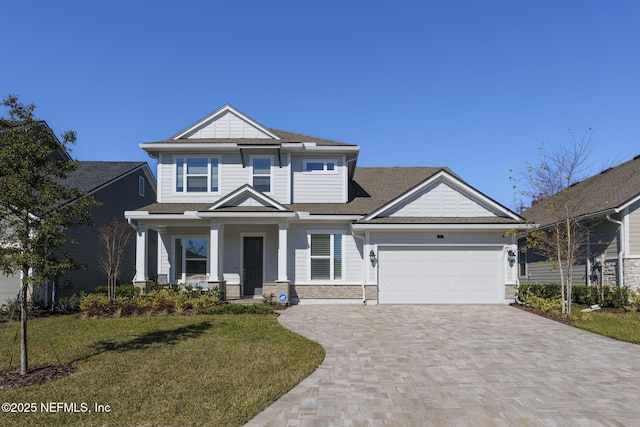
(24, 359)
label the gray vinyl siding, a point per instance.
(115, 198)
(603, 240)
(318, 187)
(634, 229)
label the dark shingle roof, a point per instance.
(286, 137)
(605, 191)
(90, 175)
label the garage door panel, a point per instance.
(439, 275)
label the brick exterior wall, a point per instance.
(509, 291)
(333, 291)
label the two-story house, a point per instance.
(261, 211)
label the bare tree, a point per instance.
(562, 236)
(114, 238)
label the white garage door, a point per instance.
(442, 275)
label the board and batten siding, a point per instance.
(440, 200)
(228, 125)
(319, 186)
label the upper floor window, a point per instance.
(141, 186)
(262, 173)
(326, 166)
(197, 174)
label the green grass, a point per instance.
(619, 326)
(210, 370)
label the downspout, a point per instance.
(364, 265)
(621, 251)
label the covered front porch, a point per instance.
(245, 257)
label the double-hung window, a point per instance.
(197, 174)
(326, 256)
(262, 173)
(190, 256)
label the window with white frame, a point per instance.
(197, 174)
(190, 256)
(141, 186)
(262, 173)
(319, 166)
(326, 256)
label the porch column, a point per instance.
(282, 252)
(142, 273)
(214, 251)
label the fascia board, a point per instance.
(454, 181)
(145, 215)
(187, 146)
(421, 227)
(246, 189)
(627, 203)
(306, 216)
(245, 214)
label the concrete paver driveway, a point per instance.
(455, 366)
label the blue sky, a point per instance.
(473, 85)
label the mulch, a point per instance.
(12, 379)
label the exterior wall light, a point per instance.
(372, 258)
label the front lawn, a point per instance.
(210, 370)
(619, 326)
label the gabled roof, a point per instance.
(236, 201)
(91, 176)
(239, 129)
(612, 190)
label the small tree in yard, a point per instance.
(563, 236)
(114, 238)
(35, 204)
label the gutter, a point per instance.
(621, 251)
(364, 265)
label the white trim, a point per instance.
(141, 185)
(220, 112)
(324, 170)
(407, 227)
(247, 189)
(160, 174)
(442, 174)
(252, 175)
(331, 232)
(185, 158)
(306, 216)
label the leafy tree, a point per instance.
(114, 238)
(36, 205)
(562, 236)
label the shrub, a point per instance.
(634, 302)
(548, 305)
(547, 291)
(94, 305)
(126, 291)
(70, 304)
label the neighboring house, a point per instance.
(118, 186)
(261, 211)
(609, 203)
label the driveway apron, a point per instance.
(450, 365)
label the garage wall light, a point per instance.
(372, 258)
